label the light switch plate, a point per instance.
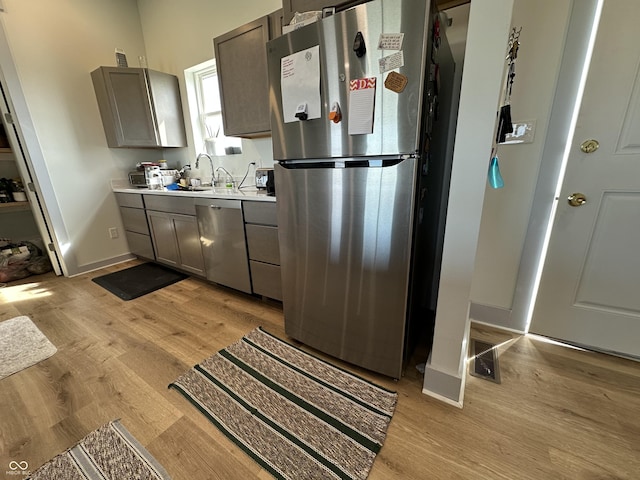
(523, 132)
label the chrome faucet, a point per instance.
(210, 163)
(217, 180)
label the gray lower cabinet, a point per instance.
(174, 232)
(166, 229)
(135, 225)
(264, 252)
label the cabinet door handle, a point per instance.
(217, 207)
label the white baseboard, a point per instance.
(494, 317)
(443, 386)
(90, 267)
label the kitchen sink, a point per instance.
(217, 190)
(193, 189)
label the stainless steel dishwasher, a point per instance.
(223, 242)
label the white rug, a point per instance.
(22, 345)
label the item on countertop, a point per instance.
(137, 179)
(142, 165)
(261, 177)
(169, 177)
(153, 178)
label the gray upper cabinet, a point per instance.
(276, 22)
(241, 61)
(139, 107)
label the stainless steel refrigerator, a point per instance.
(362, 106)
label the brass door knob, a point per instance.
(577, 199)
(589, 146)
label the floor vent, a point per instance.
(484, 361)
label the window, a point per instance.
(206, 110)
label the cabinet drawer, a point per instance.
(165, 203)
(263, 243)
(134, 220)
(140, 245)
(266, 279)
(262, 213)
(133, 200)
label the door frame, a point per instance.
(30, 161)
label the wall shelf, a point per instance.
(14, 206)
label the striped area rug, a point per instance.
(109, 453)
(296, 415)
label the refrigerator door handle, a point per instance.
(346, 163)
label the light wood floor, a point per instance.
(558, 414)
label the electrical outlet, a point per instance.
(113, 232)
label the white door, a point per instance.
(590, 288)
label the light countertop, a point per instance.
(252, 194)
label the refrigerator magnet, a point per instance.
(390, 41)
(391, 62)
(300, 84)
(396, 82)
(362, 95)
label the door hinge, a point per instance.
(31, 187)
(51, 247)
(8, 118)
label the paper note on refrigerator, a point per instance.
(362, 97)
(300, 84)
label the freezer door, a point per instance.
(396, 116)
(345, 248)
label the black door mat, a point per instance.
(136, 281)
